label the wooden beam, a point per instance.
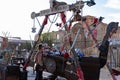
(62, 8)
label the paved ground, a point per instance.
(104, 74)
(31, 74)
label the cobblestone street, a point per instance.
(104, 74)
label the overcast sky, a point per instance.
(15, 20)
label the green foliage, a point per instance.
(48, 38)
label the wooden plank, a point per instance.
(78, 5)
(54, 10)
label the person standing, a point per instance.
(39, 63)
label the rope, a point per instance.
(39, 33)
(76, 62)
(68, 34)
(97, 44)
(69, 20)
(65, 41)
(33, 22)
(38, 22)
(75, 39)
(52, 21)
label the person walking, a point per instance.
(39, 63)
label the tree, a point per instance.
(48, 38)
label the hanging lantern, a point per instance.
(33, 30)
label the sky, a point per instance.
(15, 15)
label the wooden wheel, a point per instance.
(50, 64)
